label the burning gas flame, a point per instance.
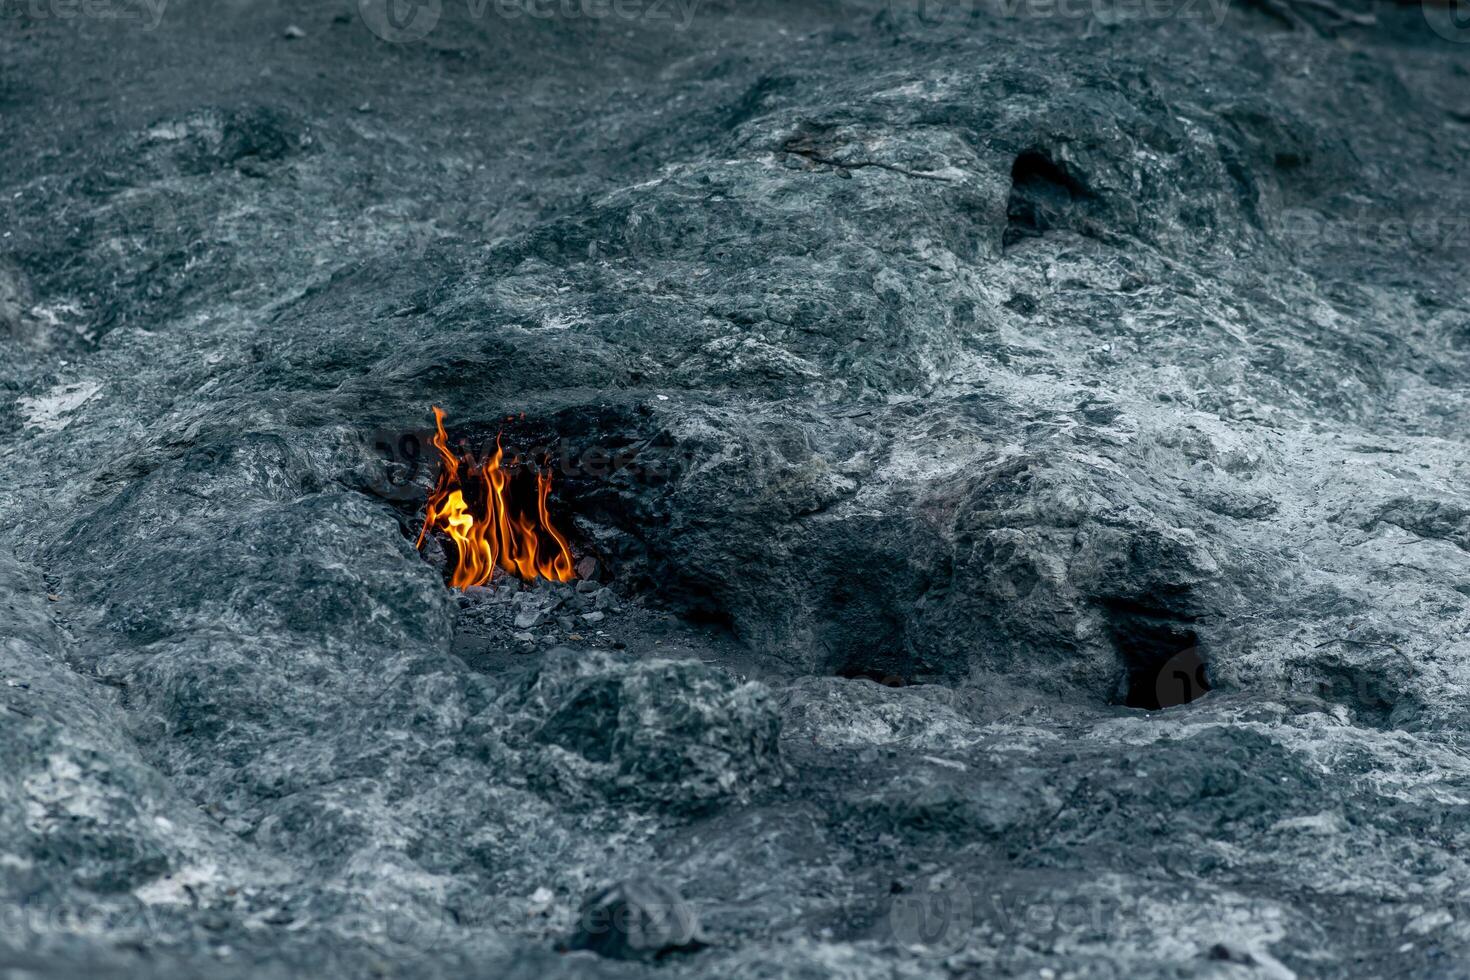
(471, 506)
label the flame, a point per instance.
(485, 531)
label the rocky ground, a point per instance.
(1021, 453)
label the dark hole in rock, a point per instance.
(1163, 666)
(1022, 303)
(701, 610)
(1043, 196)
(617, 467)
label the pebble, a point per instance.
(295, 33)
(594, 617)
(530, 617)
(605, 600)
(540, 901)
(588, 585)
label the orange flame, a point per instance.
(485, 532)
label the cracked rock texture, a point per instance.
(945, 395)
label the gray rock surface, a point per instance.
(941, 390)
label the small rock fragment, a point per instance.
(1423, 925)
(294, 33)
(1262, 963)
(540, 901)
(594, 617)
(605, 600)
(530, 617)
(588, 585)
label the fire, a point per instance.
(471, 505)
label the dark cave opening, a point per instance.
(699, 608)
(1043, 195)
(1163, 665)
